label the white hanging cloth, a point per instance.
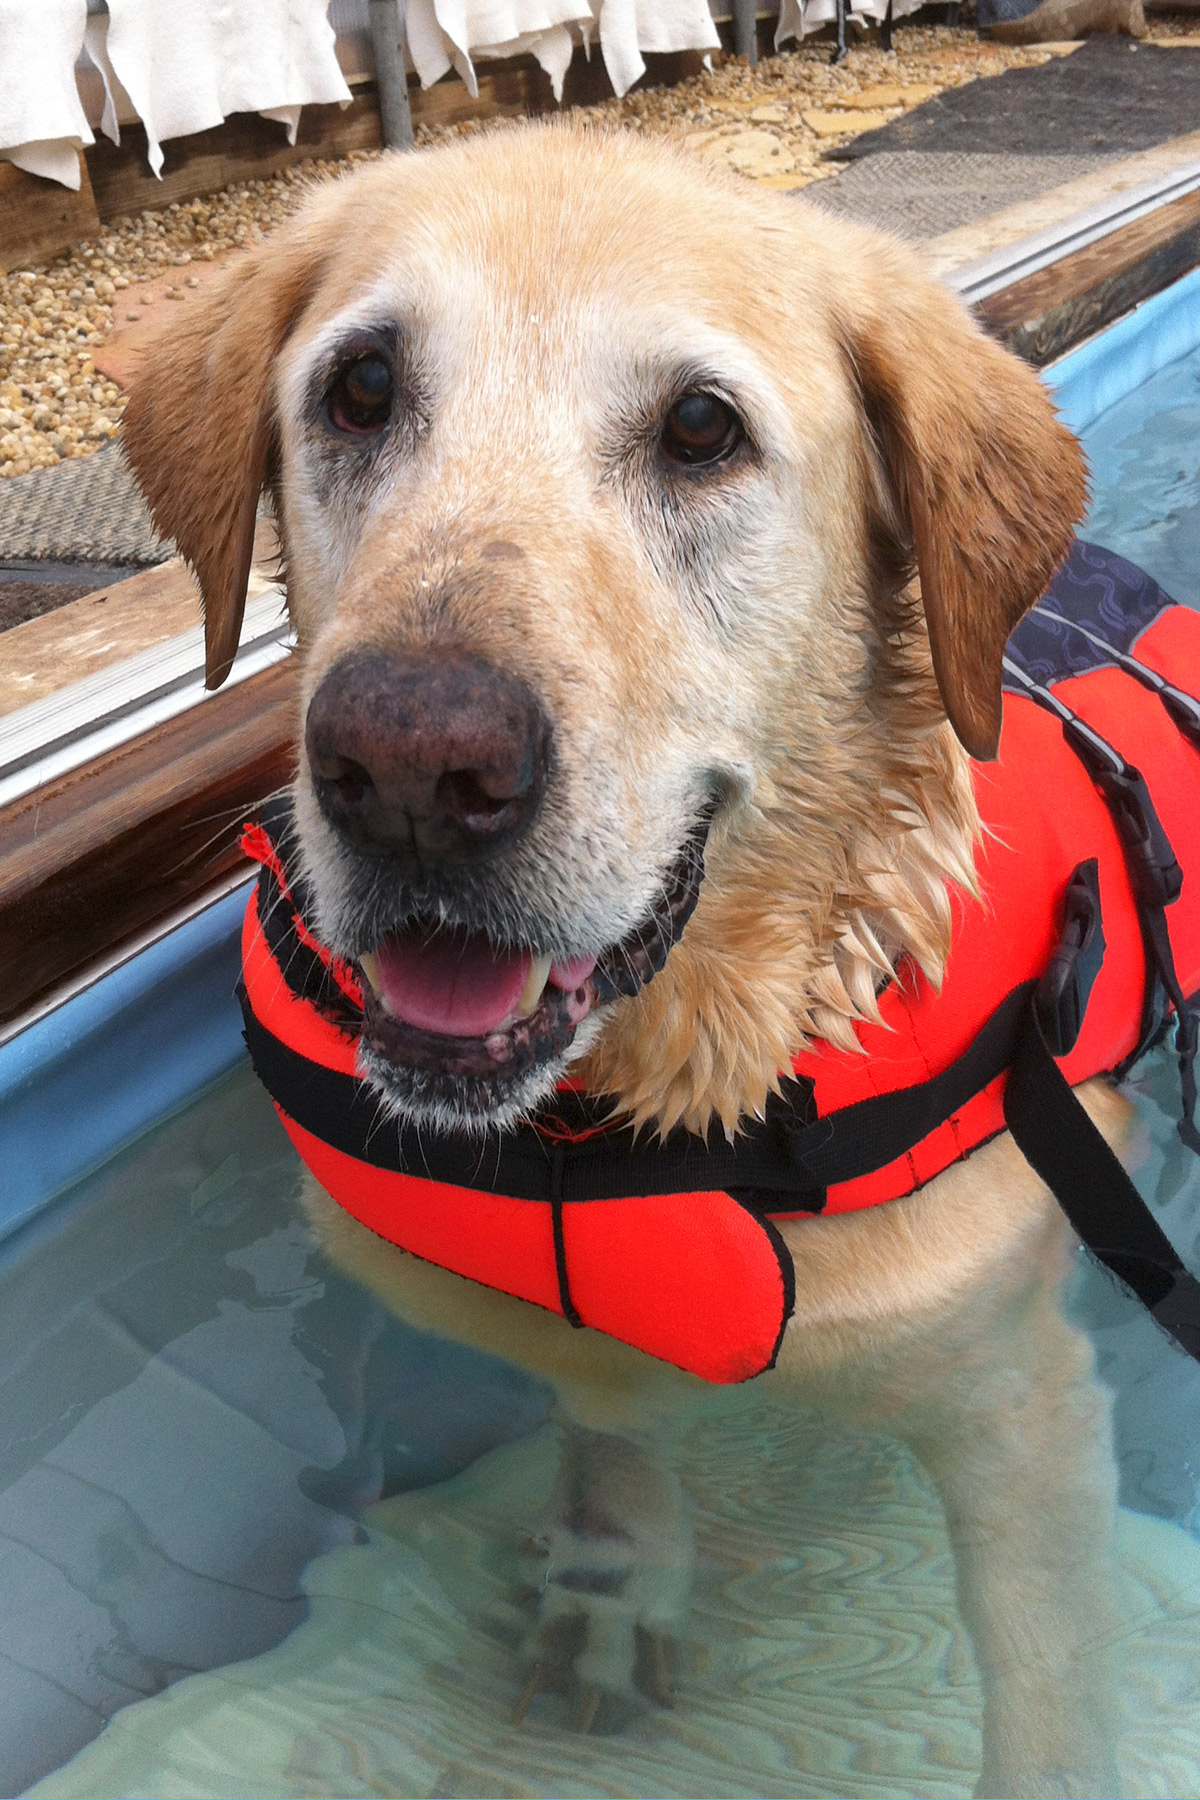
(43, 125)
(798, 17)
(187, 64)
(445, 34)
(629, 27)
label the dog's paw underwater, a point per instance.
(610, 1579)
(822, 1651)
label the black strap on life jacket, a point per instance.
(1059, 1141)
(1048, 1122)
(778, 1164)
(1155, 877)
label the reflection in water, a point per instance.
(194, 1405)
(223, 1461)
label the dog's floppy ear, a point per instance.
(198, 427)
(987, 480)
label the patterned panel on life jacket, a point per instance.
(1096, 588)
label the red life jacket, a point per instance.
(1066, 967)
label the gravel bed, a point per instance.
(54, 404)
(774, 123)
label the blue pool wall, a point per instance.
(123, 1055)
(116, 1059)
(1111, 366)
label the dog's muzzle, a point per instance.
(452, 1004)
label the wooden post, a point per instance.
(391, 77)
(745, 29)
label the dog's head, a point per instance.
(601, 478)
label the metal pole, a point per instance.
(745, 29)
(391, 76)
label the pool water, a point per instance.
(1145, 461)
(276, 1537)
(195, 1405)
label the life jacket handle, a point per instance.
(1183, 710)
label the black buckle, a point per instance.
(1156, 874)
(1153, 867)
(1066, 987)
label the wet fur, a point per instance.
(814, 640)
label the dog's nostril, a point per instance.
(462, 795)
(353, 784)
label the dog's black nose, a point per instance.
(433, 758)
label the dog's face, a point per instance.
(600, 478)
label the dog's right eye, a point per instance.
(360, 399)
(700, 429)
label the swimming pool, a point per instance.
(1133, 395)
(224, 1490)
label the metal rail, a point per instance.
(1003, 268)
(745, 30)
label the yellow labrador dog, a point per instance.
(621, 470)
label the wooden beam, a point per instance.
(1043, 316)
(91, 859)
(246, 147)
(38, 218)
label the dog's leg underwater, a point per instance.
(1014, 1429)
(994, 1390)
(612, 1569)
(1020, 1450)
(611, 1556)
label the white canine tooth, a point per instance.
(535, 985)
(369, 964)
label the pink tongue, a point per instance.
(452, 982)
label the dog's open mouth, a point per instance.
(452, 1004)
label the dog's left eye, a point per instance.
(700, 429)
(360, 399)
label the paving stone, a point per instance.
(755, 153)
(842, 124)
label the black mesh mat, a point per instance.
(1110, 97)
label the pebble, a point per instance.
(773, 123)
